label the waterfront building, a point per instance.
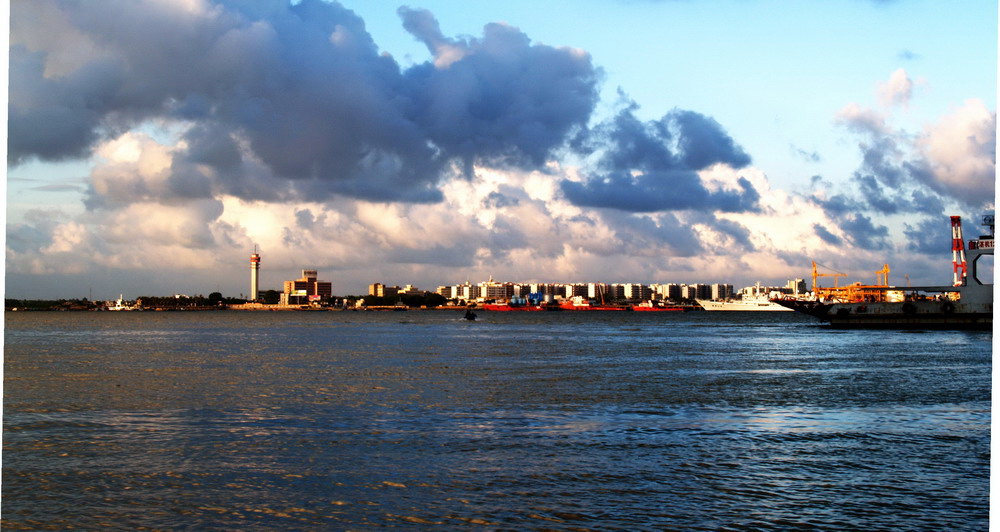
(381, 290)
(636, 292)
(573, 290)
(446, 292)
(722, 291)
(306, 288)
(492, 290)
(796, 287)
(596, 290)
(689, 291)
(467, 291)
(703, 291)
(409, 290)
(668, 291)
(550, 289)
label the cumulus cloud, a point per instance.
(498, 100)
(950, 164)
(959, 154)
(653, 166)
(215, 126)
(300, 93)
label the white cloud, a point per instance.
(961, 151)
(861, 119)
(66, 238)
(897, 90)
(512, 225)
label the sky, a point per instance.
(152, 144)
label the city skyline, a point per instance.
(153, 143)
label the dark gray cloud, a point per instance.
(652, 166)
(293, 102)
(864, 234)
(35, 232)
(736, 236)
(496, 200)
(930, 236)
(638, 235)
(875, 196)
(55, 119)
(660, 191)
(926, 202)
(498, 100)
(826, 235)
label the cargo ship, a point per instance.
(966, 304)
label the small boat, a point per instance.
(469, 315)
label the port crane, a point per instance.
(816, 274)
(882, 276)
(854, 292)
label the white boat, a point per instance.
(121, 305)
(758, 300)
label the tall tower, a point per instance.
(958, 251)
(254, 275)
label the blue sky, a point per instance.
(633, 141)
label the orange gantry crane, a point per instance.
(854, 293)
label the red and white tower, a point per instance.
(958, 251)
(254, 275)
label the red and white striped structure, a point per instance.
(254, 275)
(958, 251)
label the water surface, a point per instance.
(354, 420)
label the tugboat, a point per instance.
(967, 304)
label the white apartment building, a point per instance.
(722, 291)
(636, 292)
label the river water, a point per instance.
(420, 419)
